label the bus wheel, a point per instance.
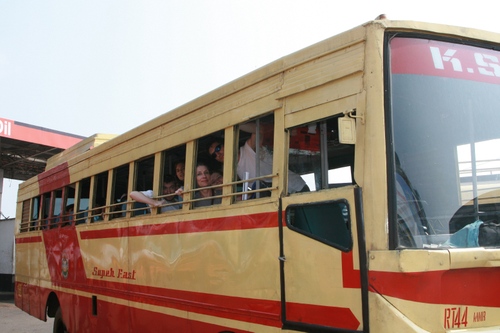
(59, 326)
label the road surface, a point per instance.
(14, 320)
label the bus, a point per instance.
(359, 192)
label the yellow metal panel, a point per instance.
(372, 140)
(320, 112)
(235, 262)
(81, 147)
(331, 67)
(314, 271)
(409, 260)
(332, 91)
(22, 261)
(384, 317)
(476, 257)
(408, 316)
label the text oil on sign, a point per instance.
(5, 127)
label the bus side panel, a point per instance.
(219, 271)
(27, 294)
(114, 317)
(77, 313)
(444, 294)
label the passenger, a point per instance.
(203, 181)
(119, 210)
(216, 179)
(170, 186)
(180, 172)
(247, 162)
(68, 214)
(98, 212)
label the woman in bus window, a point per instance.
(179, 172)
(202, 181)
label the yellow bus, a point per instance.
(348, 187)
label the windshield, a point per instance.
(445, 114)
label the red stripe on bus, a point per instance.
(54, 178)
(351, 277)
(241, 222)
(473, 286)
(263, 312)
(112, 317)
(322, 315)
(32, 239)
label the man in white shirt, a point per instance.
(247, 163)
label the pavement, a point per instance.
(14, 320)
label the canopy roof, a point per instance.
(25, 148)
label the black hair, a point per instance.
(169, 179)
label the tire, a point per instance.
(59, 326)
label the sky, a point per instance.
(107, 66)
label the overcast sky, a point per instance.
(97, 66)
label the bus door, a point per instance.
(321, 279)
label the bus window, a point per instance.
(45, 209)
(144, 171)
(144, 174)
(174, 163)
(83, 201)
(207, 171)
(173, 174)
(316, 154)
(25, 216)
(327, 222)
(35, 210)
(69, 205)
(120, 189)
(100, 192)
(57, 202)
(255, 138)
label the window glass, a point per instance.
(254, 159)
(69, 205)
(444, 160)
(173, 176)
(207, 173)
(100, 192)
(35, 210)
(120, 188)
(327, 222)
(46, 210)
(144, 172)
(316, 154)
(174, 162)
(83, 204)
(57, 201)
